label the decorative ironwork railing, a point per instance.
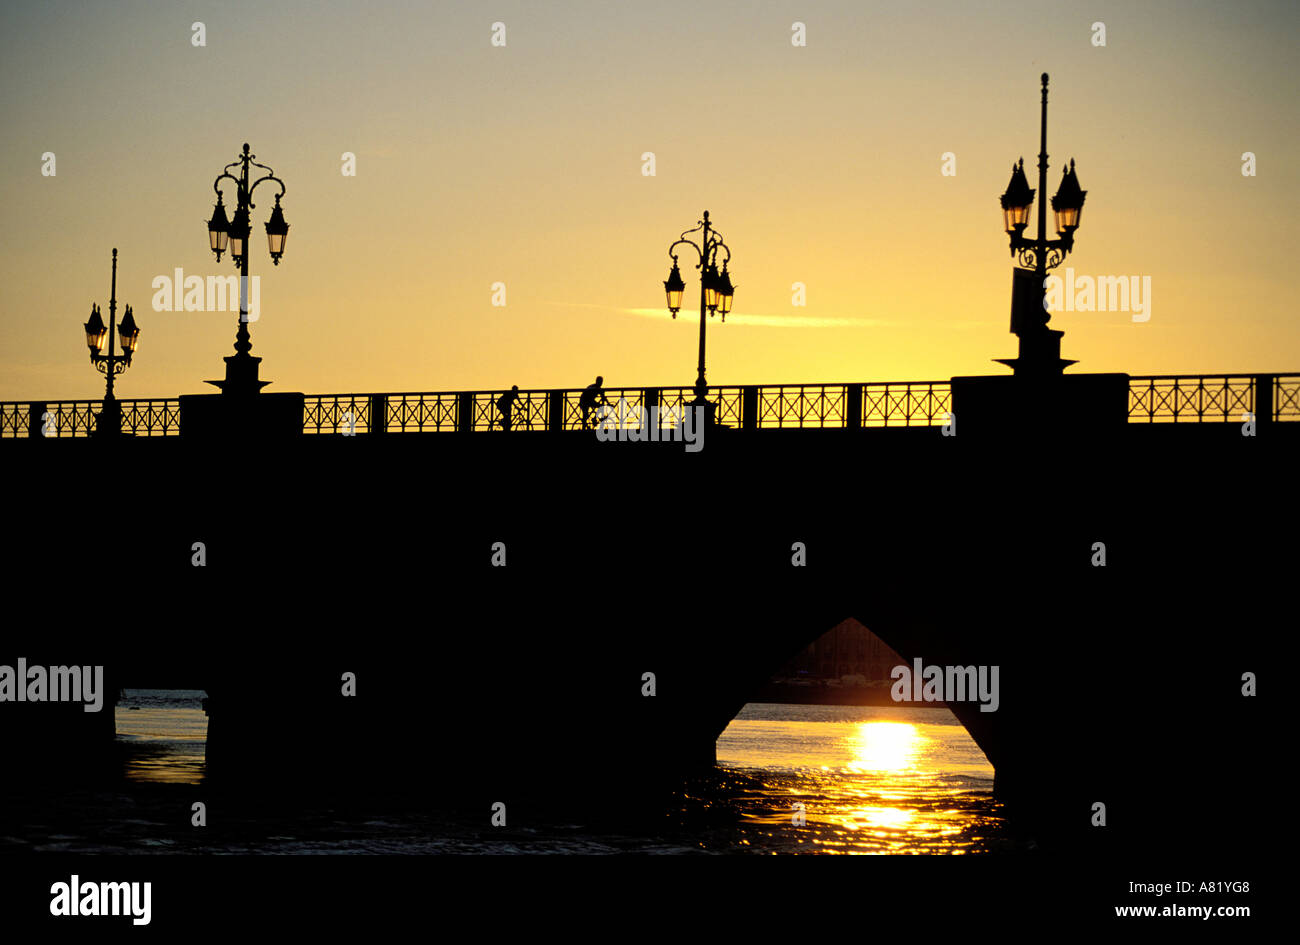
(1152, 399)
(1172, 398)
(1286, 397)
(75, 418)
(906, 403)
(916, 404)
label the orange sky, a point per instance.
(522, 164)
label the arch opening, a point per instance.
(834, 757)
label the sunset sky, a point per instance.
(522, 164)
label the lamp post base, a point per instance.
(703, 403)
(1040, 355)
(241, 376)
(109, 420)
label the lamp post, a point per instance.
(1040, 346)
(111, 364)
(241, 368)
(716, 290)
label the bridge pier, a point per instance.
(1041, 406)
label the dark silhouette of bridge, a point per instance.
(1172, 398)
(335, 544)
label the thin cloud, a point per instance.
(760, 321)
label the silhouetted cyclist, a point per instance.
(506, 403)
(591, 397)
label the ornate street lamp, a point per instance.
(674, 287)
(711, 280)
(716, 290)
(1068, 202)
(242, 368)
(726, 293)
(130, 334)
(111, 364)
(95, 332)
(1017, 200)
(277, 231)
(239, 230)
(219, 228)
(1040, 346)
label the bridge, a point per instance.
(501, 596)
(1160, 398)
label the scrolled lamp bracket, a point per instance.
(1053, 257)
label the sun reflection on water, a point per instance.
(885, 746)
(905, 781)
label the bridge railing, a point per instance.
(1159, 398)
(913, 404)
(906, 403)
(1222, 398)
(1286, 397)
(77, 418)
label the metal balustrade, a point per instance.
(77, 418)
(911, 404)
(1205, 398)
(1216, 398)
(1286, 397)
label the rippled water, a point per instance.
(869, 780)
(163, 731)
(862, 779)
(791, 779)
